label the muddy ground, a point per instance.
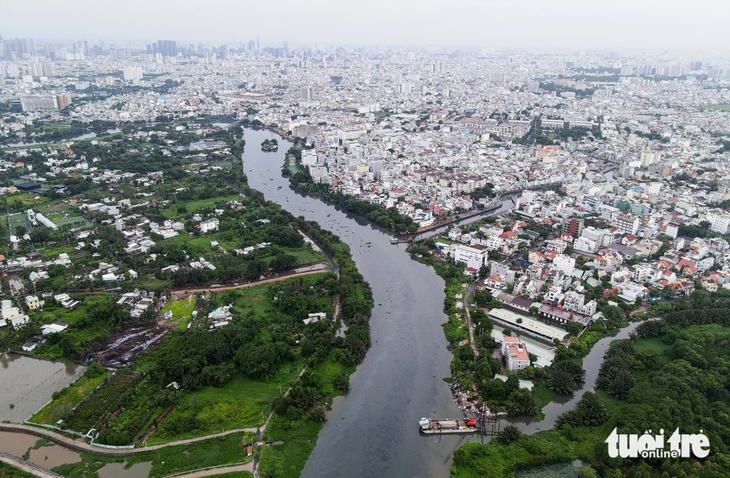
(125, 345)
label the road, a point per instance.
(216, 471)
(27, 466)
(469, 323)
(80, 445)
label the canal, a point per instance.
(373, 430)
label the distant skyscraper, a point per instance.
(307, 93)
(16, 48)
(258, 43)
(164, 47)
(47, 68)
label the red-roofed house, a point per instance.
(516, 353)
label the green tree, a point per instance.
(700, 298)
(509, 434)
(587, 472)
(574, 328)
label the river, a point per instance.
(372, 431)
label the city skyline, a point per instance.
(563, 24)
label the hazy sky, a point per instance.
(579, 24)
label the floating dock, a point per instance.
(431, 426)
(486, 425)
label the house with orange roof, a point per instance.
(516, 353)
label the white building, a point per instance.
(516, 353)
(473, 257)
(132, 73)
(564, 263)
(719, 223)
(209, 225)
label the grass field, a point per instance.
(543, 395)
(225, 450)
(304, 255)
(12, 472)
(254, 298)
(288, 459)
(241, 403)
(19, 220)
(27, 199)
(54, 251)
(182, 311)
(236, 474)
(193, 206)
(70, 396)
(74, 221)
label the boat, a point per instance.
(432, 426)
(394, 240)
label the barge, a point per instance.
(432, 426)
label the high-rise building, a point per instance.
(575, 227)
(164, 47)
(132, 73)
(649, 157)
(497, 77)
(719, 223)
(307, 93)
(627, 224)
(35, 69)
(63, 100)
(16, 48)
(45, 102)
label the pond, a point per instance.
(28, 384)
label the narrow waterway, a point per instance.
(563, 403)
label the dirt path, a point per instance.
(216, 471)
(181, 294)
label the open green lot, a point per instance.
(73, 221)
(227, 450)
(241, 403)
(182, 311)
(196, 205)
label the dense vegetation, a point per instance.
(672, 373)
